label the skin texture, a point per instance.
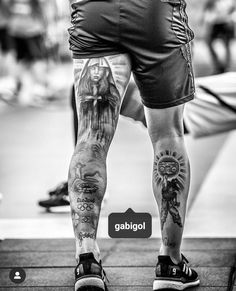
(169, 171)
(100, 84)
(171, 175)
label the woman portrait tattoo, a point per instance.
(98, 95)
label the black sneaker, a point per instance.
(60, 190)
(89, 274)
(172, 276)
(58, 198)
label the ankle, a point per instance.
(174, 254)
(88, 246)
(96, 255)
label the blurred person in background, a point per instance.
(7, 84)
(219, 17)
(29, 32)
(4, 39)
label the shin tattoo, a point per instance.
(170, 175)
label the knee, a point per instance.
(90, 152)
(167, 125)
(167, 133)
(102, 135)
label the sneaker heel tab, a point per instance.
(164, 259)
(86, 256)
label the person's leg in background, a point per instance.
(98, 99)
(6, 57)
(8, 85)
(39, 67)
(211, 38)
(227, 44)
(22, 72)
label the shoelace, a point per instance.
(104, 274)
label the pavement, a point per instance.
(36, 147)
(48, 264)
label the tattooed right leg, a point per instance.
(171, 175)
(100, 85)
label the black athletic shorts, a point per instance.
(155, 34)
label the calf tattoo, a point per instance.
(77, 219)
(85, 199)
(85, 206)
(170, 174)
(81, 187)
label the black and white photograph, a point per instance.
(117, 145)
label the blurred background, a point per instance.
(37, 136)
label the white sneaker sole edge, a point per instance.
(165, 284)
(89, 281)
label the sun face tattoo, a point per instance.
(170, 174)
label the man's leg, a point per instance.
(99, 93)
(171, 175)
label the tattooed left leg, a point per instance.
(100, 84)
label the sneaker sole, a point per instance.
(174, 285)
(90, 284)
(90, 288)
(58, 209)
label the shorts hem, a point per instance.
(95, 55)
(180, 101)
